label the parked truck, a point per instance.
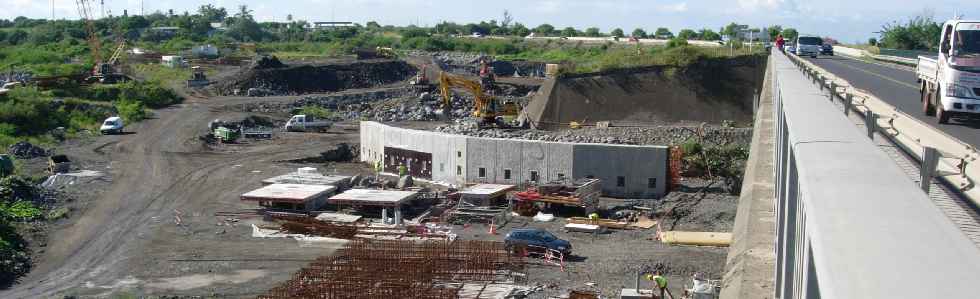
(949, 84)
(305, 123)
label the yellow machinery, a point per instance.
(386, 52)
(485, 107)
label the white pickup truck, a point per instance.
(303, 123)
(949, 84)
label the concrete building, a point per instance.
(628, 171)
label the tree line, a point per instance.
(218, 25)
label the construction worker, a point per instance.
(402, 170)
(594, 217)
(661, 282)
(780, 42)
(377, 169)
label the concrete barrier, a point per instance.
(849, 222)
(858, 53)
(958, 165)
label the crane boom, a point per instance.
(85, 12)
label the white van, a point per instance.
(808, 46)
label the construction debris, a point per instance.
(581, 193)
(609, 223)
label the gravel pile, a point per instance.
(661, 135)
(338, 101)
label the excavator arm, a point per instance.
(481, 102)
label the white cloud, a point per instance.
(754, 5)
(677, 7)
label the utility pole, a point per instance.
(52, 10)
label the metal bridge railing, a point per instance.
(849, 222)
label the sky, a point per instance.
(845, 20)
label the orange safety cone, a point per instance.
(493, 230)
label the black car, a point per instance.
(827, 49)
(536, 237)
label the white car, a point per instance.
(112, 125)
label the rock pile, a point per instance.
(308, 78)
(661, 135)
(266, 62)
(26, 150)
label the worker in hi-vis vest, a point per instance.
(402, 170)
(594, 218)
(661, 282)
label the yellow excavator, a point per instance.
(485, 107)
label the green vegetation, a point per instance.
(919, 33)
(30, 114)
(317, 112)
(16, 195)
(131, 111)
(725, 162)
(149, 93)
(581, 59)
(43, 60)
(159, 73)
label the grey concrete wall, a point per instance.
(551, 160)
(635, 164)
(750, 267)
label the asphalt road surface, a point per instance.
(897, 86)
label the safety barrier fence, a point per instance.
(849, 222)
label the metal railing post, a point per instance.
(848, 101)
(833, 89)
(871, 122)
(930, 160)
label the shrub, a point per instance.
(152, 94)
(79, 120)
(676, 42)
(131, 111)
(317, 112)
(28, 110)
(691, 148)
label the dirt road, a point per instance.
(128, 241)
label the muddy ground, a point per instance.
(148, 226)
(608, 262)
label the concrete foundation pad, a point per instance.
(636, 294)
(583, 228)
